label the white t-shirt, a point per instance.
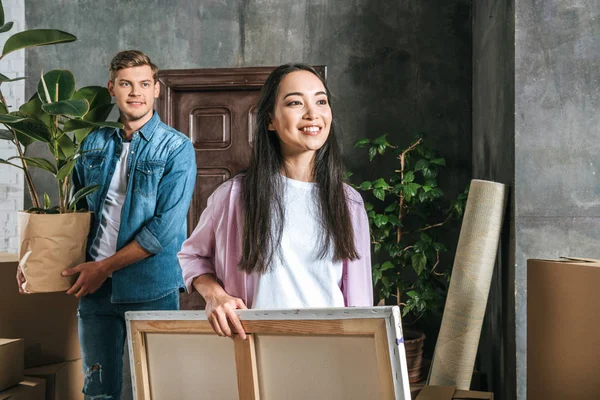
(298, 277)
(105, 244)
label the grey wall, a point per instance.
(394, 67)
(493, 159)
(557, 126)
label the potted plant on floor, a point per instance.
(52, 235)
(406, 217)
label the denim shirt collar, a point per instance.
(149, 127)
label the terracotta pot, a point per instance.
(413, 345)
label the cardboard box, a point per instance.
(47, 321)
(451, 393)
(64, 381)
(11, 362)
(563, 327)
(28, 389)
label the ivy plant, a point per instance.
(407, 214)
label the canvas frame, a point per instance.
(381, 323)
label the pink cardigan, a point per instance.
(215, 248)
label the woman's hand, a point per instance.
(220, 310)
(220, 306)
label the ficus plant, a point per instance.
(407, 215)
(57, 114)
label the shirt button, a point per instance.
(132, 152)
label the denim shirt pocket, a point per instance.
(147, 177)
(93, 167)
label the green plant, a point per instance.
(57, 114)
(406, 217)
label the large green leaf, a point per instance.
(71, 108)
(36, 37)
(66, 147)
(95, 95)
(6, 27)
(100, 113)
(1, 14)
(33, 108)
(81, 193)
(41, 163)
(9, 118)
(66, 85)
(3, 109)
(4, 78)
(32, 128)
(24, 140)
(65, 170)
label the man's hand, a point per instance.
(91, 276)
(21, 280)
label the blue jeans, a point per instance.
(102, 334)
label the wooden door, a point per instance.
(216, 108)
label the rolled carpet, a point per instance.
(456, 347)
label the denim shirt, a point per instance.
(161, 177)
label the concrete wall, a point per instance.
(394, 67)
(11, 179)
(557, 126)
(493, 159)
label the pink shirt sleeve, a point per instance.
(357, 280)
(198, 251)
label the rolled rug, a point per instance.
(456, 347)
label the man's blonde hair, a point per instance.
(131, 58)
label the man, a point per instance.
(147, 171)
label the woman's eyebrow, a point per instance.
(301, 94)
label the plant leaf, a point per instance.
(3, 161)
(366, 185)
(362, 143)
(32, 128)
(66, 147)
(6, 27)
(81, 193)
(421, 164)
(379, 193)
(65, 170)
(66, 85)
(6, 135)
(387, 265)
(409, 176)
(380, 220)
(4, 78)
(41, 163)
(438, 161)
(71, 108)
(95, 95)
(1, 14)
(33, 108)
(418, 261)
(46, 201)
(35, 37)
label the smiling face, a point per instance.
(301, 116)
(134, 90)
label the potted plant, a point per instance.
(52, 235)
(406, 217)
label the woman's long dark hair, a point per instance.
(263, 188)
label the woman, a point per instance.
(287, 233)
